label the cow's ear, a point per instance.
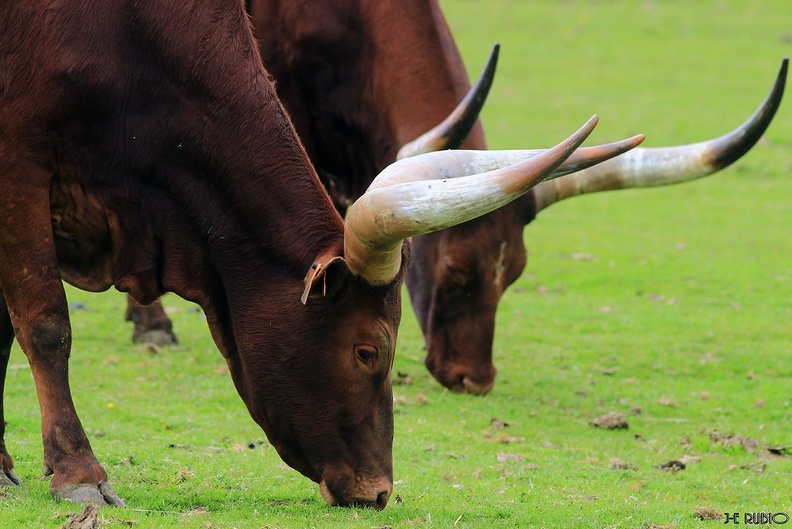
(325, 278)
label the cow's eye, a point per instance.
(367, 354)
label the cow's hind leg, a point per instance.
(152, 325)
(7, 476)
(39, 314)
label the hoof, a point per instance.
(101, 494)
(156, 337)
(9, 479)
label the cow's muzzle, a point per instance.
(357, 492)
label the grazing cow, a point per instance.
(458, 276)
(142, 146)
(362, 81)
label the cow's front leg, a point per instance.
(37, 307)
(7, 476)
(44, 333)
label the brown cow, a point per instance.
(146, 149)
(458, 276)
(363, 79)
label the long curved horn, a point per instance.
(647, 167)
(584, 157)
(432, 192)
(454, 129)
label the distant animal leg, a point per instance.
(36, 304)
(152, 325)
(7, 476)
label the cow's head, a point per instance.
(455, 283)
(335, 425)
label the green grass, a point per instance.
(673, 302)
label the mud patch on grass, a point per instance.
(707, 513)
(610, 421)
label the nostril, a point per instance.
(475, 388)
(382, 500)
(457, 383)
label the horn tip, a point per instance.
(592, 121)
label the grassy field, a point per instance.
(671, 306)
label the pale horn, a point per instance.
(648, 167)
(435, 191)
(454, 129)
(480, 161)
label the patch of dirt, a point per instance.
(402, 379)
(610, 421)
(707, 513)
(508, 439)
(758, 467)
(619, 464)
(496, 433)
(672, 466)
(579, 256)
(418, 399)
(498, 424)
(727, 440)
(777, 451)
(686, 459)
(510, 458)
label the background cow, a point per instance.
(146, 149)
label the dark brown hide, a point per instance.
(142, 146)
